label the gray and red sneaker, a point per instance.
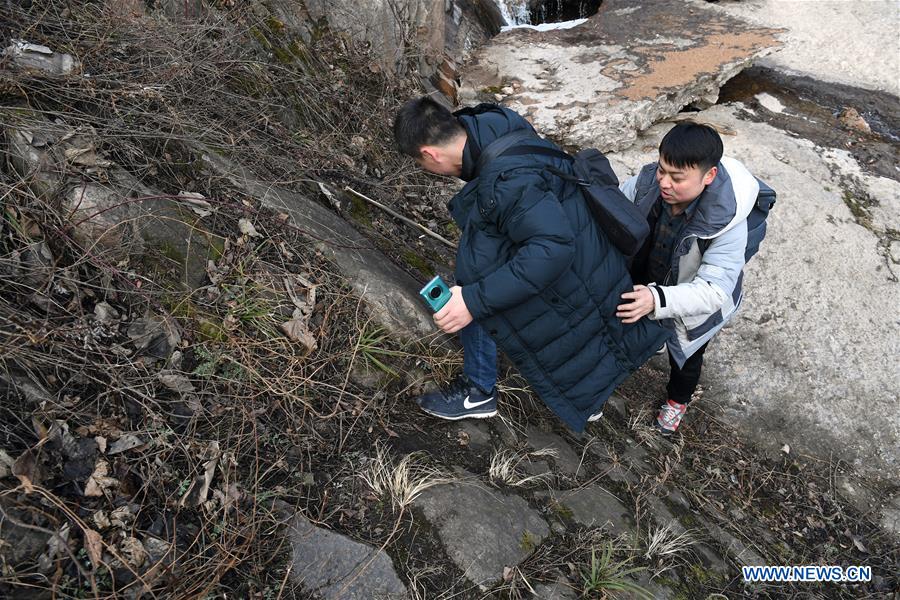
(669, 417)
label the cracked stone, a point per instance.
(338, 568)
(566, 460)
(593, 507)
(483, 531)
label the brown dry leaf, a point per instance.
(101, 443)
(298, 331)
(39, 428)
(199, 490)
(93, 545)
(133, 551)
(24, 468)
(99, 481)
(175, 381)
(128, 441)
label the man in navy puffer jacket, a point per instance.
(535, 275)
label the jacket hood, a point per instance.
(484, 124)
(727, 201)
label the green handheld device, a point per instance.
(436, 293)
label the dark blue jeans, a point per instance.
(479, 356)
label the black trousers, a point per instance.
(683, 381)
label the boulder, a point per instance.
(443, 28)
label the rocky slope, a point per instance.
(245, 428)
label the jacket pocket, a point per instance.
(558, 303)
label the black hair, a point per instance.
(691, 144)
(424, 122)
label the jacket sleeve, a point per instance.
(534, 220)
(715, 280)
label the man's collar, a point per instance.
(468, 161)
(687, 212)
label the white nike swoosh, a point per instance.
(467, 405)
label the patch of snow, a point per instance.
(770, 102)
(547, 26)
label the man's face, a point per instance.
(679, 186)
(445, 159)
(436, 160)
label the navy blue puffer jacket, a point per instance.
(541, 278)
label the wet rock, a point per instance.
(482, 531)
(337, 568)
(600, 83)
(591, 507)
(566, 459)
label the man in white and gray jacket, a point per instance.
(689, 272)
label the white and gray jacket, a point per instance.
(703, 288)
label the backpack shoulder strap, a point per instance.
(513, 144)
(644, 183)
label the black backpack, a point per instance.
(616, 215)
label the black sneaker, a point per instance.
(461, 400)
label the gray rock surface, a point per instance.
(593, 507)
(608, 464)
(890, 516)
(565, 458)
(454, 27)
(630, 65)
(554, 591)
(338, 568)
(482, 531)
(811, 358)
(475, 434)
(866, 52)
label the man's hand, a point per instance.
(454, 316)
(640, 303)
